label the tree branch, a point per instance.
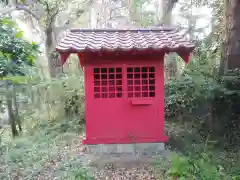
(5, 11)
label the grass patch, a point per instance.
(42, 154)
(197, 160)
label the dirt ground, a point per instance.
(125, 166)
(106, 167)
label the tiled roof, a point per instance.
(166, 39)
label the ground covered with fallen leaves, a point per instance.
(94, 167)
(63, 157)
(140, 172)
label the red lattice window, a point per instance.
(108, 82)
(141, 81)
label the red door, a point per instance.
(142, 105)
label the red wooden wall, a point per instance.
(124, 98)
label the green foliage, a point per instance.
(226, 108)
(195, 167)
(140, 16)
(73, 103)
(199, 93)
(178, 96)
(15, 52)
(57, 100)
(188, 92)
(73, 169)
(197, 83)
(199, 161)
(46, 146)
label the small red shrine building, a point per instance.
(124, 81)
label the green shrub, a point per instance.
(195, 167)
(226, 108)
(212, 103)
(58, 102)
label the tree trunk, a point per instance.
(223, 61)
(165, 11)
(165, 17)
(17, 117)
(11, 117)
(231, 44)
(48, 49)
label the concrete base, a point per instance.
(137, 148)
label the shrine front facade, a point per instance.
(124, 81)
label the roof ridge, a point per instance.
(75, 30)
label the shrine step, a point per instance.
(136, 148)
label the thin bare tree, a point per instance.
(48, 15)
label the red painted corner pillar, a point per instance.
(81, 59)
(185, 56)
(64, 56)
